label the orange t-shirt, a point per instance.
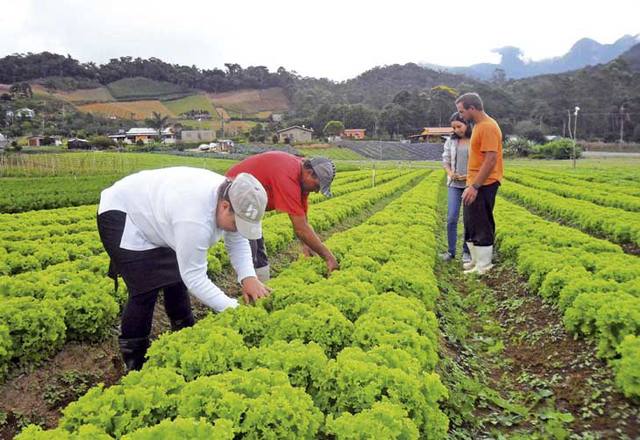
(486, 136)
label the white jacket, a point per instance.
(449, 155)
(176, 208)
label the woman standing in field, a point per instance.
(454, 160)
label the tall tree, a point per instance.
(333, 128)
(158, 122)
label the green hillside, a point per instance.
(130, 89)
(193, 102)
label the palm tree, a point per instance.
(158, 122)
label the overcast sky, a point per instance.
(328, 38)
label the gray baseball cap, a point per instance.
(326, 171)
(249, 201)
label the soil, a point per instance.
(511, 367)
(540, 367)
(581, 383)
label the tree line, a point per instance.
(392, 100)
(26, 67)
(404, 98)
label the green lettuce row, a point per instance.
(277, 229)
(18, 195)
(86, 294)
(240, 404)
(593, 282)
(404, 332)
(612, 185)
(22, 255)
(628, 366)
(29, 193)
(592, 173)
(616, 224)
(338, 189)
(583, 192)
(34, 250)
(207, 350)
(28, 256)
(39, 228)
(71, 216)
(382, 420)
(66, 305)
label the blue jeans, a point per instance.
(454, 197)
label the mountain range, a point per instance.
(585, 52)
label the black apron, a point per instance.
(142, 271)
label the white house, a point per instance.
(168, 136)
(25, 113)
(3, 141)
(293, 134)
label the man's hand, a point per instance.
(253, 289)
(307, 251)
(459, 177)
(332, 264)
(469, 195)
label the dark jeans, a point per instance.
(137, 315)
(479, 225)
(145, 273)
(258, 253)
(454, 200)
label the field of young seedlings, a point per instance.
(394, 345)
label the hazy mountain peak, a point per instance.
(584, 52)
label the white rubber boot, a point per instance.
(484, 254)
(471, 264)
(264, 273)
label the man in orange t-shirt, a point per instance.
(484, 173)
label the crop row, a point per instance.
(20, 194)
(611, 185)
(349, 356)
(616, 224)
(35, 240)
(41, 309)
(588, 191)
(593, 282)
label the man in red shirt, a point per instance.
(288, 180)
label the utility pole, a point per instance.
(569, 124)
(575, 134)
(621, 123)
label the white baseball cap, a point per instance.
(249, 201)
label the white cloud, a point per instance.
(335, 39)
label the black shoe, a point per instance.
(133, 352)
(179, 324)
(447, 256)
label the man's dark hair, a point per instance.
(306, 164)
(470, 99)
(456, 117)
(223, 193)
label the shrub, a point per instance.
(519, 147)
(557, 149)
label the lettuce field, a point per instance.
(394, 345)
